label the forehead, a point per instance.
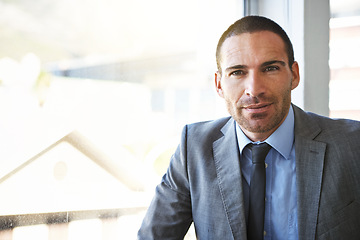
(252, 48)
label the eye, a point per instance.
(271, 68)
(237, 73)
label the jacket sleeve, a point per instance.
(169, 214)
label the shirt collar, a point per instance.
(281, 140)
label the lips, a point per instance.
(257, 108)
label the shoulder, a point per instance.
(335, 124)
(206, 131)
(208, 125)
(325, 127)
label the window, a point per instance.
(344, 64)
(93, 96)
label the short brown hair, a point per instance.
(250, 24)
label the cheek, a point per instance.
(283, 94)
(280, 86)
(232, 92)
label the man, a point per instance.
(312, 168)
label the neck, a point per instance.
(257, 137)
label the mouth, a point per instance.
(257, 108)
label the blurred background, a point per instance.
(94, 95)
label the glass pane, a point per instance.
(93, 97)
(344, 61)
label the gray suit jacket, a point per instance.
(203, 183)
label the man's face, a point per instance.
(256, 82)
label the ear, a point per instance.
(295, 75)
(218, 86)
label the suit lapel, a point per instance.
(229, 177)
(310, 156)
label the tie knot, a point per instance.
(259, 152)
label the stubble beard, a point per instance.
(252, 123)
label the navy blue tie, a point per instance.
(257, 191)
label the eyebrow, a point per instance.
(235, 67)
(262, 65)
(273, 62)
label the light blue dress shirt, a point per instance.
(280, 206)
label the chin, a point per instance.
(258, 124)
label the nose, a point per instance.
(254, 85)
